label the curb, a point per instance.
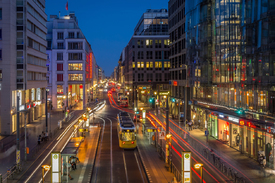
(148, 177)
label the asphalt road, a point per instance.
(114, 164)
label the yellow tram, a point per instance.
(126, 131)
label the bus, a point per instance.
(123, 101)
(126, 131)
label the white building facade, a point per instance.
(22, 62)
(71, 64)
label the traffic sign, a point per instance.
(162, 135)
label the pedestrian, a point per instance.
(190, 125)
(39, 139)
(238, 139)
(72, 162)
(65, 170)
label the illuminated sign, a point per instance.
(73, 94)
(29, 106)
(151, 130)
(175, 83)
(236, 120)
(91, 65)
(164, 93)
(242, 122)
(21, 107)
(144, 114)
(140, 88)
(142, 92)
(221, 116)
(56, 166)
(186, 166)
(144, 88)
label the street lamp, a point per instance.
(199, 166)
(44, 167)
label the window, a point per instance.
(60, 25)
(141, 64)
(149, 43)
(166, 43)
(149, 54)
(151, 64)
(75, 77)
(140, 54)
(30, 42)
(59, 56)
(138, 64)
(1, 13)
(158, 43)
(133, 64)
(166, 54)
(71, 34)
(1, 75)
(59, 89)
(158, 55)
(147, 64)
(158, 64)
(0, 54)
(75, 67)
(140, 43)
(0, 33)
(77, 35)
(59, 77)
(75, 56)
(60, 35)
(75, 45)
(59, 67)
(60, 46)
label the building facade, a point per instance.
(146, 65)
(178, 70)
(23, 62)
(229, 58)
(72, 64)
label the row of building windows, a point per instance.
(150, 64)
(35, 76)
(71, 77)
(36, 15)
(149, 77)
(33, 28)
(149, 43)
(71, 56)
(149, 55)
(36, 60)
(35, 45)
(71, 67)
(60, 35)
(175, 6)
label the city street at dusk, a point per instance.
(159, 91)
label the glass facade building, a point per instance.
(230, 56)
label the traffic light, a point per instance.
(173, 100)
(151, 100)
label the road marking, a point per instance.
(125, 167)
(100, 147)
(139, 167)
(111, 149)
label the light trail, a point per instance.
(60, 138)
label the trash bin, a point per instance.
(60, 124)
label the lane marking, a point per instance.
(125, 167)
(111, 149)
(139, 167)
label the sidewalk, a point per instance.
(155, 167)
(34, 129)
(238, 161)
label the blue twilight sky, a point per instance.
(107, 24)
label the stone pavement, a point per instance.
(155, 166)
(240, 162)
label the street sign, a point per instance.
(181, 114)
(186, 166)
(162, 135)
(206, 132)
(17, 156)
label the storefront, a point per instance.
(213, 125)
(198, 115)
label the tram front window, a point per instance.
(128, 136)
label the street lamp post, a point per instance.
(167, 133)
(185, 97)
(200, 166)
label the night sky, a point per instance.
(107, 24)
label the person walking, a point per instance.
(39, 139)
(190, 125)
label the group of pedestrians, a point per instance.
(190, 124)
(72, 164)
(43, 137)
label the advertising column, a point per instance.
(186, 167)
